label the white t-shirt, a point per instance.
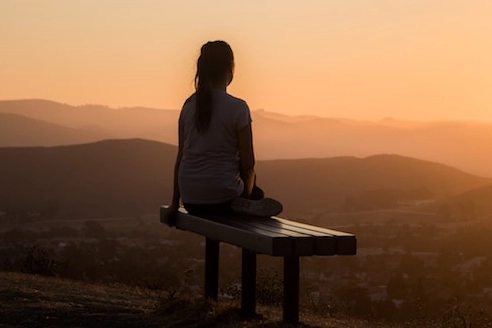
(209, 169)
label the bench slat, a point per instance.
(325, 240)
(303, 244)
(273, 236)
(346, 242)
(258, 241)
(325, 244)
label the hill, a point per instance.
(52, 302)
(115, 177)
(478, 201)
(133, 177)
(21, 131)
(328, 182)
(123, 123)
(465, 145)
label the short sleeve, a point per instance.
(244, 116)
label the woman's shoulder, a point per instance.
(236, 108)
(190, 99)
(236, 99)
(232, 100)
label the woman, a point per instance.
(214, 170)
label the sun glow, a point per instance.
(365, 60)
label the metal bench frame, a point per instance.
(272, 236)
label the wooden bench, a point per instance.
(272, 236)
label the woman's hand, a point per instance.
(169, 215)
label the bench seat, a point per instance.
(272, 236)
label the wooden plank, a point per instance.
(303, 244)
(325, 244)
(264, 242)
(306, 239)
(346, 242)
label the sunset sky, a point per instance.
(359, 59)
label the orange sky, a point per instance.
(361, 59)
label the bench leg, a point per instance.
(291, 289)
(211, 268)
(248, 283)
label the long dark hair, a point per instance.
(215, 62)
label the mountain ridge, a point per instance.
(21, 131)
(134, 176)
(465, 145)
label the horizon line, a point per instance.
(308, 115)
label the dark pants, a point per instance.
(221, 208)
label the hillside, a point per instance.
(115, 177)
(328, 181)
(21, 131)
(133, 177)
(124, 123)
(32, 301)
(480, 200)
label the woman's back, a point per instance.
(209, 169)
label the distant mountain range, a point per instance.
(94, 121)
(132, 177)
(21, 131)
(465, 145)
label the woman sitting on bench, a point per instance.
(214, 170)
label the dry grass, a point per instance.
(33, 301)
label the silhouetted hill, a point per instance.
(19, 131)
(124, 123)
(465, 145)
(44, 110)
(478, 200)
(114, 177)
(324, 183)
(132, 177)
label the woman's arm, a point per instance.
(176, 194)
(175, 203)
(247, 159)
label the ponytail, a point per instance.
(215, 62)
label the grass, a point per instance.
(34, 301)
